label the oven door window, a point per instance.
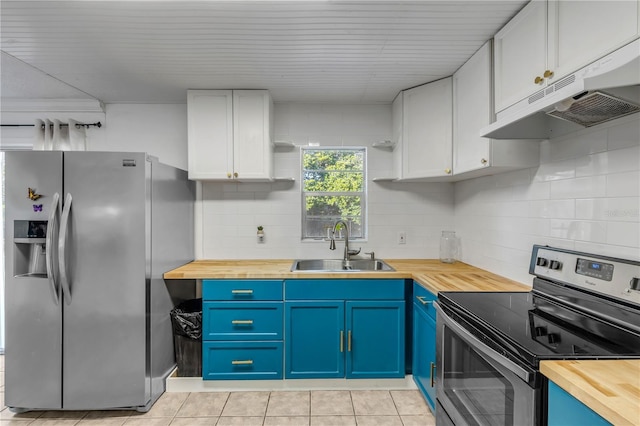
(481, 391)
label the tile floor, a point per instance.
(278, 408)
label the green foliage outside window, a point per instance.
(333, 188)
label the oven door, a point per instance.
(477, 385)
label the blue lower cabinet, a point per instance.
(424, 343)
(242, 329)
(315, 339)
(241, 360)
(352, 339)
(565, 410)
(424, 354)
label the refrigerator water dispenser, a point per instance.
(29, 237)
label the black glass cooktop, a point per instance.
(531, 328)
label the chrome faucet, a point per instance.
(332, 245)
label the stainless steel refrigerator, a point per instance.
(88, 236)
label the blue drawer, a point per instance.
(241, 360)
(242, 320)
(344, 289)
(241, 289)
(423, 299)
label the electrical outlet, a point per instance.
(402, 237)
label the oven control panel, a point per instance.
(613, 277)
(592, 268)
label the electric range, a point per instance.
(581, 306)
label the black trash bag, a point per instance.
(187, 319)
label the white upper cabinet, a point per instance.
(580, 32)
(252, 124)
(550, 39)
(472, 96)
(520, 54)
(229, 135)
(425, 143)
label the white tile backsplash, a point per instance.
(584, 195)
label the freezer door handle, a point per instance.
(52, 229)
(62, 252)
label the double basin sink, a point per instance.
(339, 265)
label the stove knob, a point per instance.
(555, 265)
(553, 338)
(634, 284)
(541, 331)
(541, 261)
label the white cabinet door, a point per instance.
(253, 148)
(229, 134)
(426, 130)
(520, 50)
(581, 32)
(472, 112)
(210, 133)
(474, 155)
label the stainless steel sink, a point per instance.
(339, 265)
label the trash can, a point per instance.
(186, 319)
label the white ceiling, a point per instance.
(310, 51)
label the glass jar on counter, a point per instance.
(448, 247)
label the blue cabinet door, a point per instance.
(375, 339)
(314, 339)
(424, 353)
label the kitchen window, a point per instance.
(333, 188)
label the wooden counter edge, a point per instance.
(461, 276)
(589, 393)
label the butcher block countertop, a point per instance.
(611, 388)
(432, 274)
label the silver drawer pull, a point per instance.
(242, 322)
(242, 362)
(241, 291)
(424, 302)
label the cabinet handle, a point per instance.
(235, 174)
(538, 80)
(424, 302)
(483, 161)
(228, 175)
(242, 362)
(241, 291)
(548, 74)
(341, 341)
(349, 341)
(242, 322)
(447, 171)
(432, 376)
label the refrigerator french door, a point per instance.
(77, 331)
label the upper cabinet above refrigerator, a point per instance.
(230, 135)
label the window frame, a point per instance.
(362, 194)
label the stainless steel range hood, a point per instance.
(604, 90)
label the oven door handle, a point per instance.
(482, 348)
